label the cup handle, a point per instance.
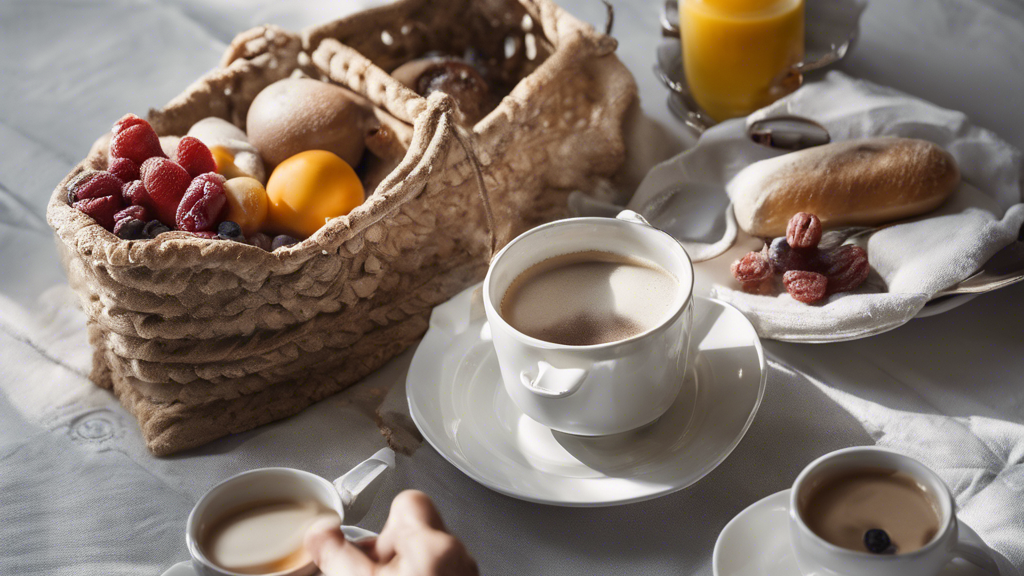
(551, 382)
(359, 485)
(630, 216)
(670, 19)
(976, 553)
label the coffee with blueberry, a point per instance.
(871, 510)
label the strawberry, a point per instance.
(165, 183)
(134, 211)
(127, 121)
(137, 143)
(203, 203)
(194, 156)
(134, 193)
(124, 169)
(94, 184)
(101, 209)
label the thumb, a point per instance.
(333, 554)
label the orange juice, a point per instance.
(735, 51)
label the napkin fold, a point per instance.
(911, 261)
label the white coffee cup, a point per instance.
(599, 389)
(350, 496)
(817, 557)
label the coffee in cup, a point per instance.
(877, 510)
(590, 320)
(842, 502)
(255, 522)
(263, 537)
(590, 297)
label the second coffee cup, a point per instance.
(590, 320)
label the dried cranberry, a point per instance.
(803, 231)
(804, 286)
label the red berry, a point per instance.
(101, 209)
(165, 183)
(847, 268)
(806, 287)
(201, 208)
(124, 169)
(137, 143)
(195, 157)
(135, 211)
(134, 193)
(127, 121)
(94, 185)
(754, 267)
(803, 231)
(754, 272)
(208, 234)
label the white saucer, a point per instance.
(458, 402)
(756, 543)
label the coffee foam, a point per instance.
(841, 507)
(590, 297)
(263, 538)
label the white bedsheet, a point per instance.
(80, 495)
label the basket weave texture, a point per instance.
(200, 338)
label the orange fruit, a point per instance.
(310, 188)
(247, 203)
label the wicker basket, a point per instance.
(203, 338)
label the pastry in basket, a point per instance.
(201, 327)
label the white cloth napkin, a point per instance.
(911, 261)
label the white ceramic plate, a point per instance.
(756, 543)
(459, 403)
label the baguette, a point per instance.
(863, 182)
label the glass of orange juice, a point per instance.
(738, 54)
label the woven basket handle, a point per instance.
(349, 68)
(478, 173)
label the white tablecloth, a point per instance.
(80, 495)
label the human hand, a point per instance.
(412, 543)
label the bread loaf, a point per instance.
(856, 182)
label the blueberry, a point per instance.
(155, 228)
(877, 541)
(229, 230)
(281, 241)
(130, 229)
(260, 240)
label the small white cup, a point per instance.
(604, 388)
(816, 557)
(350, 496)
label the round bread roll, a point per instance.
(298, 114)
(453, 76)
(863, 182)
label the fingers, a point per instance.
(437, 553)
(416, 508)
(412, 512)
(333, 554)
